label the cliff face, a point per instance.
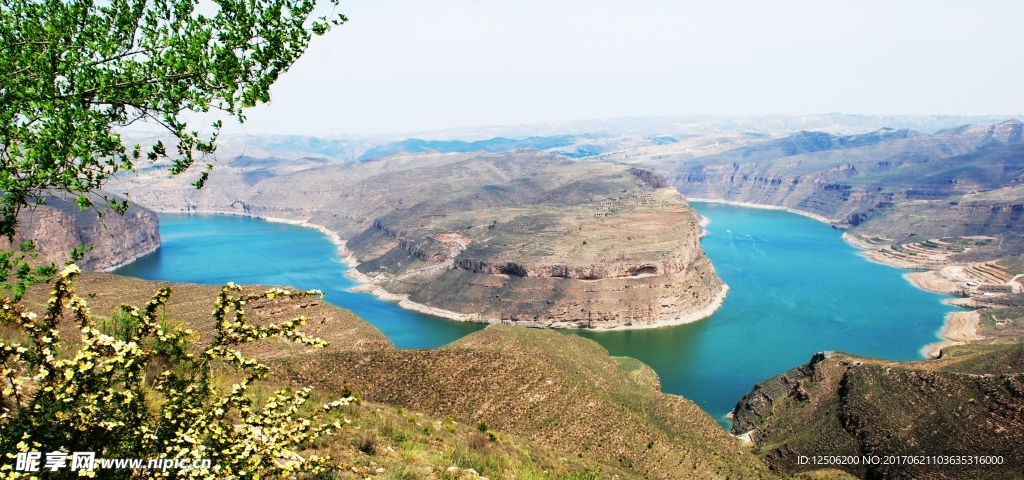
(524, 237)
(592, 273)
(59, 226)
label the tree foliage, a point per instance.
(72, 72)
(98, 398)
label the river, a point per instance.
(796, 288)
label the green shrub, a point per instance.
(97, 399)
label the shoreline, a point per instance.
(335, 238)
(760, 206)
(929, 281)
(367, 285)
(959, 328)
(111, 268)
(950, 332)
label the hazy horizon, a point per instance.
(403, 66)
(651, 125)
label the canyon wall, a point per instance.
(850, 179)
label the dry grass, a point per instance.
(967, 403)
(554, 404)
(560, 391)
(192, 305)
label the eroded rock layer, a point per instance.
(901, 186)
(59, 226)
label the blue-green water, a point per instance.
(796, 289)
(216, 249)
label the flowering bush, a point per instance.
(98, 398)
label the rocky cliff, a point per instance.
(524, 237)
(628, 266)
(59, 226)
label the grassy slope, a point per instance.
(557, 403)
(385, 442)
(967, 403)
(192, 305)
(379, 441)
(559, 390)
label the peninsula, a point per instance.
(523, 238)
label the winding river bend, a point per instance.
(796, 288)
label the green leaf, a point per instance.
(76, 71)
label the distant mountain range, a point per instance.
(494, 145)
(903, 185)
(573, 138)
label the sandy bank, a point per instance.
(938, 281)
(761, 206)
(960, 328)
(367, 285)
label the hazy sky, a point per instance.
(401, 66)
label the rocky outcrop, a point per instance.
(607, 279)
(756, 405)
(587, 272)
(59, 226)
(649, 178)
